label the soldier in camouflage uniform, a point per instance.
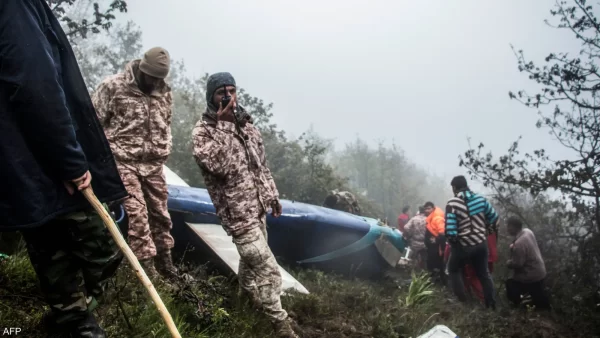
(230, 153)
(135, 108)
(51, 145)
(343, 201)
(414, 233)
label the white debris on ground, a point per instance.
(439, 331)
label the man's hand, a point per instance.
(81, 183)
(276, 208)
(226, 114)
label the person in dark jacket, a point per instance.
(51, 145)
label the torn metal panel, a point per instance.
(217, 240)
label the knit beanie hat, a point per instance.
(156, 62)
(214, 82)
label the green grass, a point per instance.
(336, 307)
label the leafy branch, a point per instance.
(100, 19)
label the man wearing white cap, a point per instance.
(134, 108)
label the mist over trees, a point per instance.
(305, 169)
(558, 198)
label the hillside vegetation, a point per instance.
(336, 307)
(307, 168)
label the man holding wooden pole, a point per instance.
(51, 145)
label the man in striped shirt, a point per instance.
(469, 220)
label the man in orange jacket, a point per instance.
(435, 241)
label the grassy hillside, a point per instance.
(337, 307)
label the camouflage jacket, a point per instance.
(414, 232)
(235, 171)
(138, 126)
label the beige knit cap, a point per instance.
(156, 62)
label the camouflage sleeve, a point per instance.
(210, 155)
(407, 233)
(170, 111)
(101, 99)
(267, 171)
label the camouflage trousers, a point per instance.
(149, 220)
(73, 257)
(258, 272)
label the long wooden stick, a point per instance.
(139, 271)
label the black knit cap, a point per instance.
(216, 81)
(459, 182)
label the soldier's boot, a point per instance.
(88, 328)
(164, 265)
(284, 329)
(148, 266)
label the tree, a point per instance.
(189, 104)
(569, 85)
(98, 59)
(387, 178)
(299, 166)
(97, 21)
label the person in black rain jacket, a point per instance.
(51, 145)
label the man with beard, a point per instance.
(229, 150)
(135, 108)
(51, 145)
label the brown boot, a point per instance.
(284, 329)
(164, 265)
(148, 266)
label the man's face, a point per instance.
(428, 210)
(512, 230)
(220, 94)
(147, 83)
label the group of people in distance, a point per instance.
(460, 242)
(56, 140)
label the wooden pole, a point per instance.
(139, 271)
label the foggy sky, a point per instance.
(423, 74)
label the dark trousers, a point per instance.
(435, 260)
(73, 258)
(477, 257)
(516, 289)
(420, 258)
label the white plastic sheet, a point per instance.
(439, 331)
